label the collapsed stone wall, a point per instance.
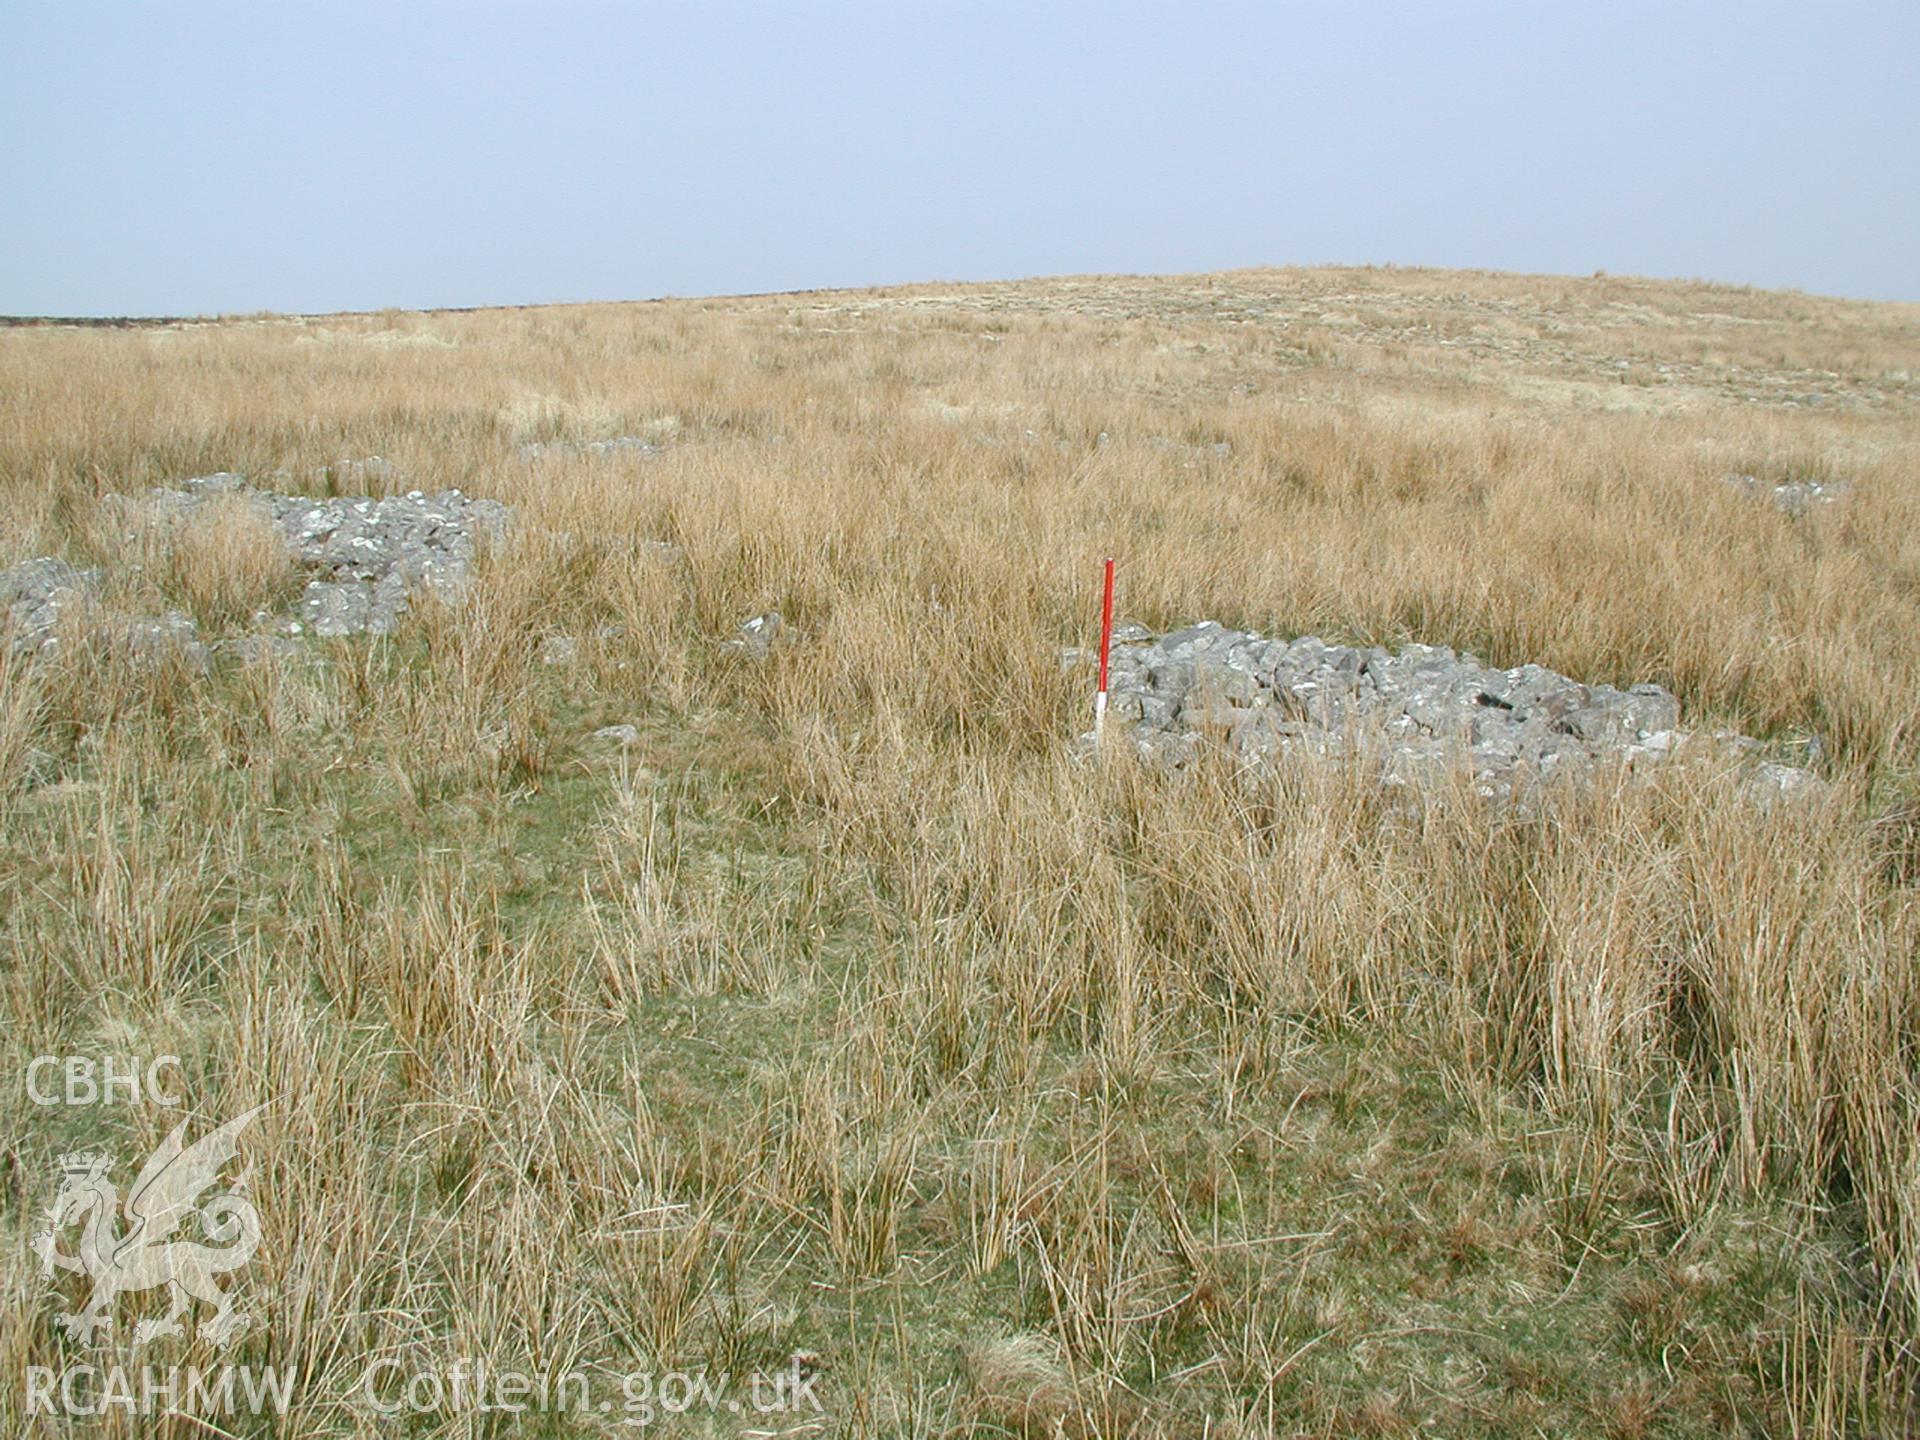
(1423, 712)
(36, 595)
(366, 558)
(367, 555)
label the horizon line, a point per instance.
(1601, 276)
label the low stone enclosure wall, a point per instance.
(1424, 714)
(365, 559)
(366, 555)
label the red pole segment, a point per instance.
(1106, 650)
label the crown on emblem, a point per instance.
(78, 1163)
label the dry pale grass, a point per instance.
(230, 563)
(845, 1016)
(222, 565)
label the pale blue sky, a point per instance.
(195, 157)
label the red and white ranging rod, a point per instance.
(1106, 648)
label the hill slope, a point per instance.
(837, 1017)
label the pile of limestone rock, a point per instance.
(366, 557)
(1423, 714)
(1790, 497)
(37, 597)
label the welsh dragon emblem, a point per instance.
(151, 1251)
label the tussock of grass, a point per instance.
(229, 564)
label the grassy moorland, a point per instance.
(847, 1015)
